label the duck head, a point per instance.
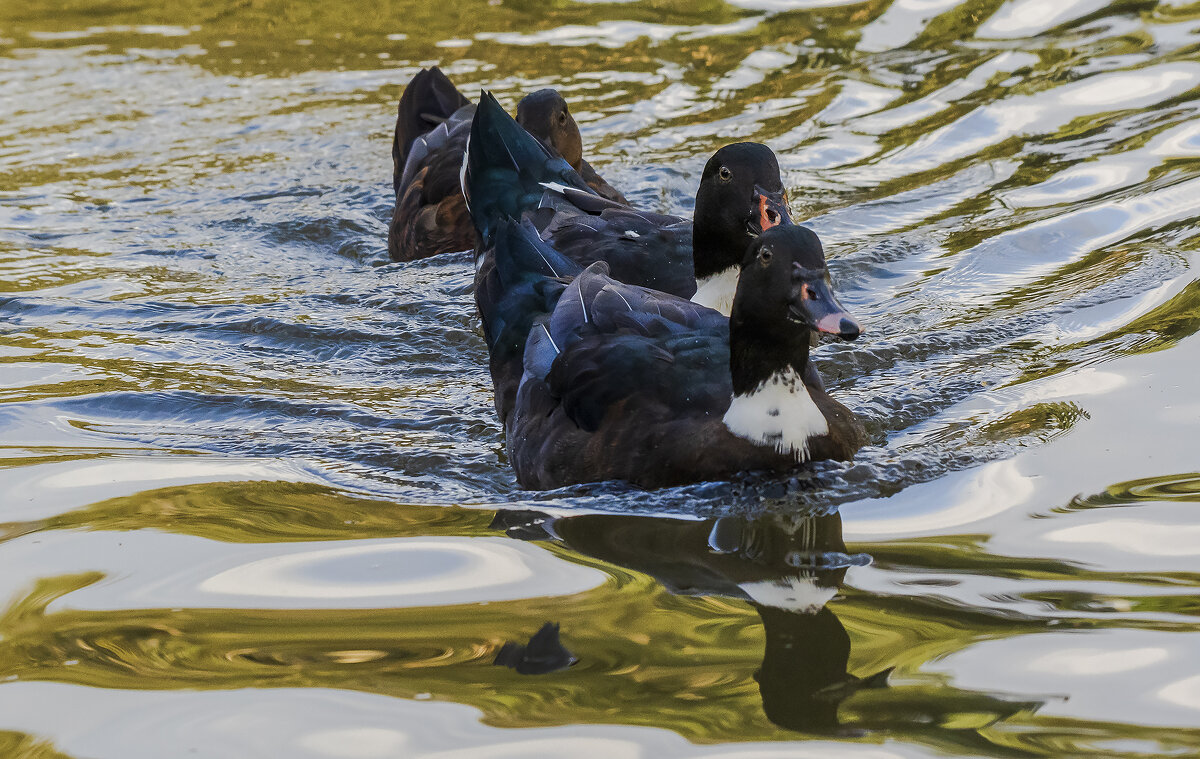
(545, 115)
(741, 195)
(785, 284)
(782, 296)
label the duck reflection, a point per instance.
(543, 654)
(787, 567)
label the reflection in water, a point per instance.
(672, 638)
(544, 653)
(787, 567)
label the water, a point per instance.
(256, 500)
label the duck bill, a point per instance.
(770, 210)
(816, 307)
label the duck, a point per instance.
(545, 115)
(621, 382)
(741, 193)
(433, 121)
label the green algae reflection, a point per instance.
(695, 660)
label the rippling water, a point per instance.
(256, 500)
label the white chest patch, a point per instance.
(801, 594)
(717, 291)
(779, 412)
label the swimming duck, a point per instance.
(545, 115)
(741, 194)
(623, 382)
(433, 121)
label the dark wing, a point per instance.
(509, 173)
(608, 343)
(641, 248)
(507, 168)
(520, 279)
(430, 215)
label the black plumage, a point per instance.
(618, 381)
(740, 194)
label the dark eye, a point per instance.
(562, 117)
(764, 255)
(725, 173)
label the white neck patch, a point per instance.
(801, 594)
(717, 291)
(779, 412)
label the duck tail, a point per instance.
(525, 282)
(521, 255)
(507, 169)
(518, 285)
(428, 100)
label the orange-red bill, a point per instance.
(772, 210)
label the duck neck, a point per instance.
(756, 357)
(771, 406)
(714, 250)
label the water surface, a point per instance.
(256, 498)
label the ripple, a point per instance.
(1110, 691)
(1026, 18)
(1133, 536)
(618, 34)
(1180, 487)
(316, 723)
(51, 489)
(173, 570)
(417, 572)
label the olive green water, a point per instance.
(255, 501)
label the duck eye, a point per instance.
(764, 255)
(725, 174)
(562, 117)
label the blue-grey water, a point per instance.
(256, 500)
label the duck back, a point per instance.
(432, 124)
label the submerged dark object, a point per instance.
(433, 121)
(543, 654)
